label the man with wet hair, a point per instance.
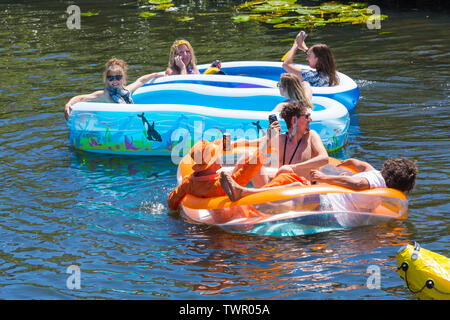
(396, 173)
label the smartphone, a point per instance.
(272, 118)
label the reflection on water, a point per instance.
(183, 259)
(287, 266)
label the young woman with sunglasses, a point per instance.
(319, 57)
(182, 59)
(115, 91)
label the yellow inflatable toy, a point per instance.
(214, 68)
(426, 273)
(291, 211)
(211, 70)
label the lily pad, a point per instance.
(159, 1)
(147, 14)
(89, 14)
(241, 18)
(249, 4)
(289, 14)
(184, 19)
(164, 6)
(276, 6)
(334, 7)
(308, 10)
(277, 20)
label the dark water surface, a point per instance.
(108, 215)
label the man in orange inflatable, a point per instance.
(205, 181)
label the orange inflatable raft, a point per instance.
(291, 211)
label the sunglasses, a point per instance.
(117, 77)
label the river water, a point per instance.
(108, 215)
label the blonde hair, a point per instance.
(173, 51)
(114, 64)
(292, 85)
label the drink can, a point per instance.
(226, 142)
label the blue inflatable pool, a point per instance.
(168, 119)
(264, 74)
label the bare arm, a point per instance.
(279, 107)
(352, 182)
(308, 90)
(169, 71)
(360, 166)
(80, 98)
(288, 63)
(195, 69)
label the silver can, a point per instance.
(226, 142)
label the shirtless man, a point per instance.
(300, 149)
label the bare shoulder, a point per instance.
(279, 106)
(314, 135)
(317, 143)
(282, 137)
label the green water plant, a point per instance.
(185, 19)
(160, 4)
(290, 14)
(89, 14)
(147, 14)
